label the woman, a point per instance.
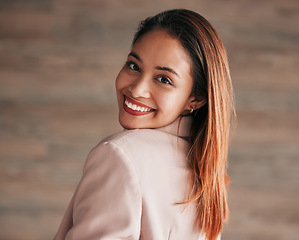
(164, 177)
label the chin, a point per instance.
(130, 125)
(127, 124)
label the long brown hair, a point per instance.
(211, 123)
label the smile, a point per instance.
(135, 108)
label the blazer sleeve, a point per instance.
(107, 202)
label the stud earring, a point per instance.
(191, 110)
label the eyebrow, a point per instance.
(168, 69)
(135, 55)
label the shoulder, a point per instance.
(131, 136)
(136, 141)
(140, 147)
(139, 151)
(130, 146)
(113, 149)
(129, 141)
(109, 185)
(149, 136)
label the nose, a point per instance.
(140, 88)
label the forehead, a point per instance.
(163, 46)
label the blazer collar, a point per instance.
(180, 127)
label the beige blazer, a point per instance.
(130, 186)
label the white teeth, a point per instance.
(135, 107)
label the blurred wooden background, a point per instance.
(58, 63)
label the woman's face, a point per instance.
(154, 86)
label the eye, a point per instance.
(133, 66)
(164, 80)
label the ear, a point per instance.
(195, 103)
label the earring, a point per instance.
(191, 110)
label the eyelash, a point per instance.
(132, 66)
(129, 65)
(167, 79)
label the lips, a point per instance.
(135, 108)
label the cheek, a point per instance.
(169, 102)
(118, 81)
(119, 85)
(177, 102)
